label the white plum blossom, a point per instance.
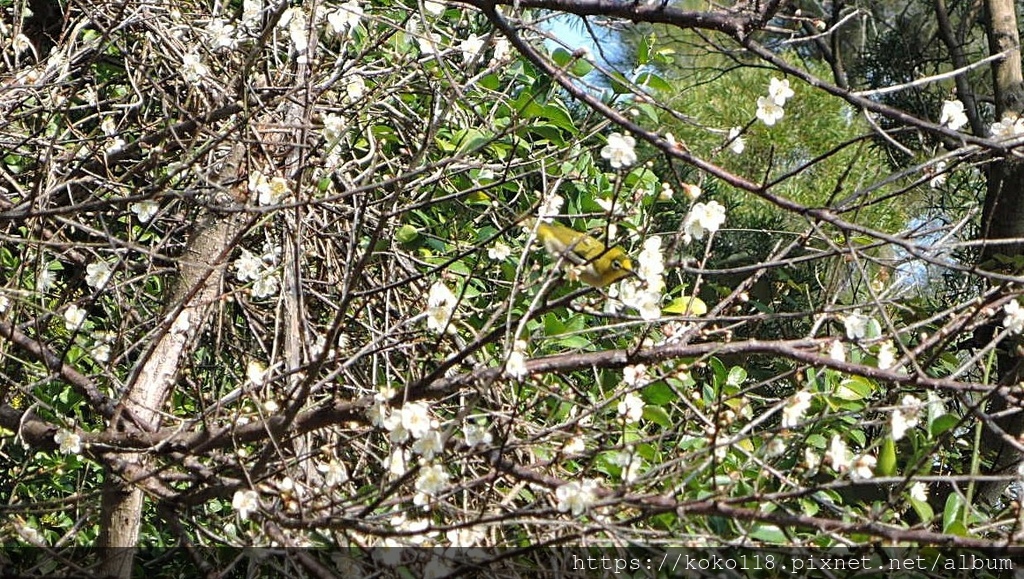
(5, 303)
(428, 445)
(576, 497)
(702, 219)
(856, 325)
(68, 442)
(768, 111)
(108, 126)
(651, 262)
(499, 251)
(470, 47)
(355, 88)
(838, 454)
(811, 458)
(192, 67)
(953, 115)
(334, 127)
(74, 317)
(620, 150)
(502, 49)
(794, 410)
(779, 91)
(693, 192)
(270, 191)
(630, 463)
(863, 467)
(335, 473)
(248, 266)
(46, 280)
(416, 419)
(377, 413)
(266, 285)
(515, 367)
(476, 435)
(907, 416)
(1012, 125)
(433, 480)
(631, 408)
(550, 207)
(938, 172)
(575, 445)
(145, 210)
(643, 297)
(221, 35)
(736, 143)
(919, 492)
(100, 350)
(428, 42)
(1014, 320)
(635, 375)
(886, 355)
(345, 18)
(97, 274)
(434, 8)
(837, 351)
(245, 502)
(441, 304)
(397, 462)
(775, 447)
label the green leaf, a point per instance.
(687, 305)
(657, 415)
(942, 424)
(660, 394)
(471, 139)
(951, 514)
(407, 234)
(887, 458)
(737, 375)
(855, 388)
(768, 534)
(653, 81)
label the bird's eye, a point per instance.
(616, 264)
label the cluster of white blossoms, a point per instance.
(644, 293)
(856, 325)
(1011, 126)
(1014, 320)
(270, 191)
(703, 218)
(441, 304)
(906, 416)
(860, 467)
(793, 411)
(576, 497)
(414, 422)
(770, 109)
(550, 207)
(953, 115)
(261, 270)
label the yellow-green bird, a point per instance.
(597, 265)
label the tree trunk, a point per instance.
(1003, 218)
(196, 290)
